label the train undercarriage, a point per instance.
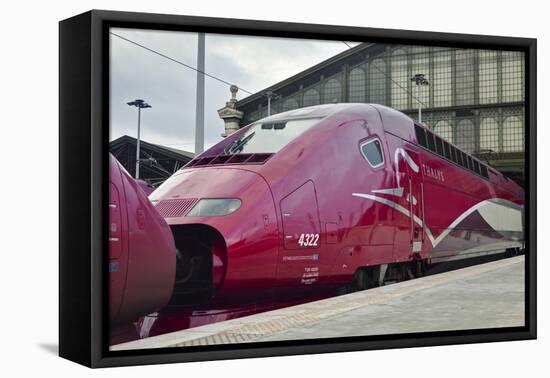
(366, 278)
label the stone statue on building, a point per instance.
(229, 113)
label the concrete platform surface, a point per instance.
(482, 296)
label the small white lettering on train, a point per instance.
(436, 174)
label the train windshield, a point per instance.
(269, 137)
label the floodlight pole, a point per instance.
(270, 95)
(419, 80)
(140, 104)
(138, 142)
(199, 111)
(419, 103)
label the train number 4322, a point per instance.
(308, 240)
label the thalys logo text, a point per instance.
(436, 174)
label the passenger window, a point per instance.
(372, 151)
(484, 171)
(470, 163)
(476, 167)
(448, 153)
(420, 135)
(439, 146)
(447, 150)
(431, 141)
(457, 159)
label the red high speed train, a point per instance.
(329, 195)
(142, 253)
(295, 206)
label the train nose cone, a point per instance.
(225, 246)
(142, 252)
(238, 199)
(207, 183)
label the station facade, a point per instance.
(473, 98)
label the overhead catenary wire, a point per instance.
(240, 88)
(245, 90)
(372, 64)
(179, 62)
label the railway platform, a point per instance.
(481, 296)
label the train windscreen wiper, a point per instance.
(238, 145)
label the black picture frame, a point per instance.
(83, 147)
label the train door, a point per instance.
(415, 201)
(299, 258)
(409, 232)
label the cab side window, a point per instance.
(372, 151)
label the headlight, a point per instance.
(215, 206)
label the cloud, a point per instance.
(252, 63)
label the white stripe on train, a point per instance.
(435, 241)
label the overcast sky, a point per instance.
(252, 63)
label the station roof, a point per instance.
(158, 162)
(169, 151)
